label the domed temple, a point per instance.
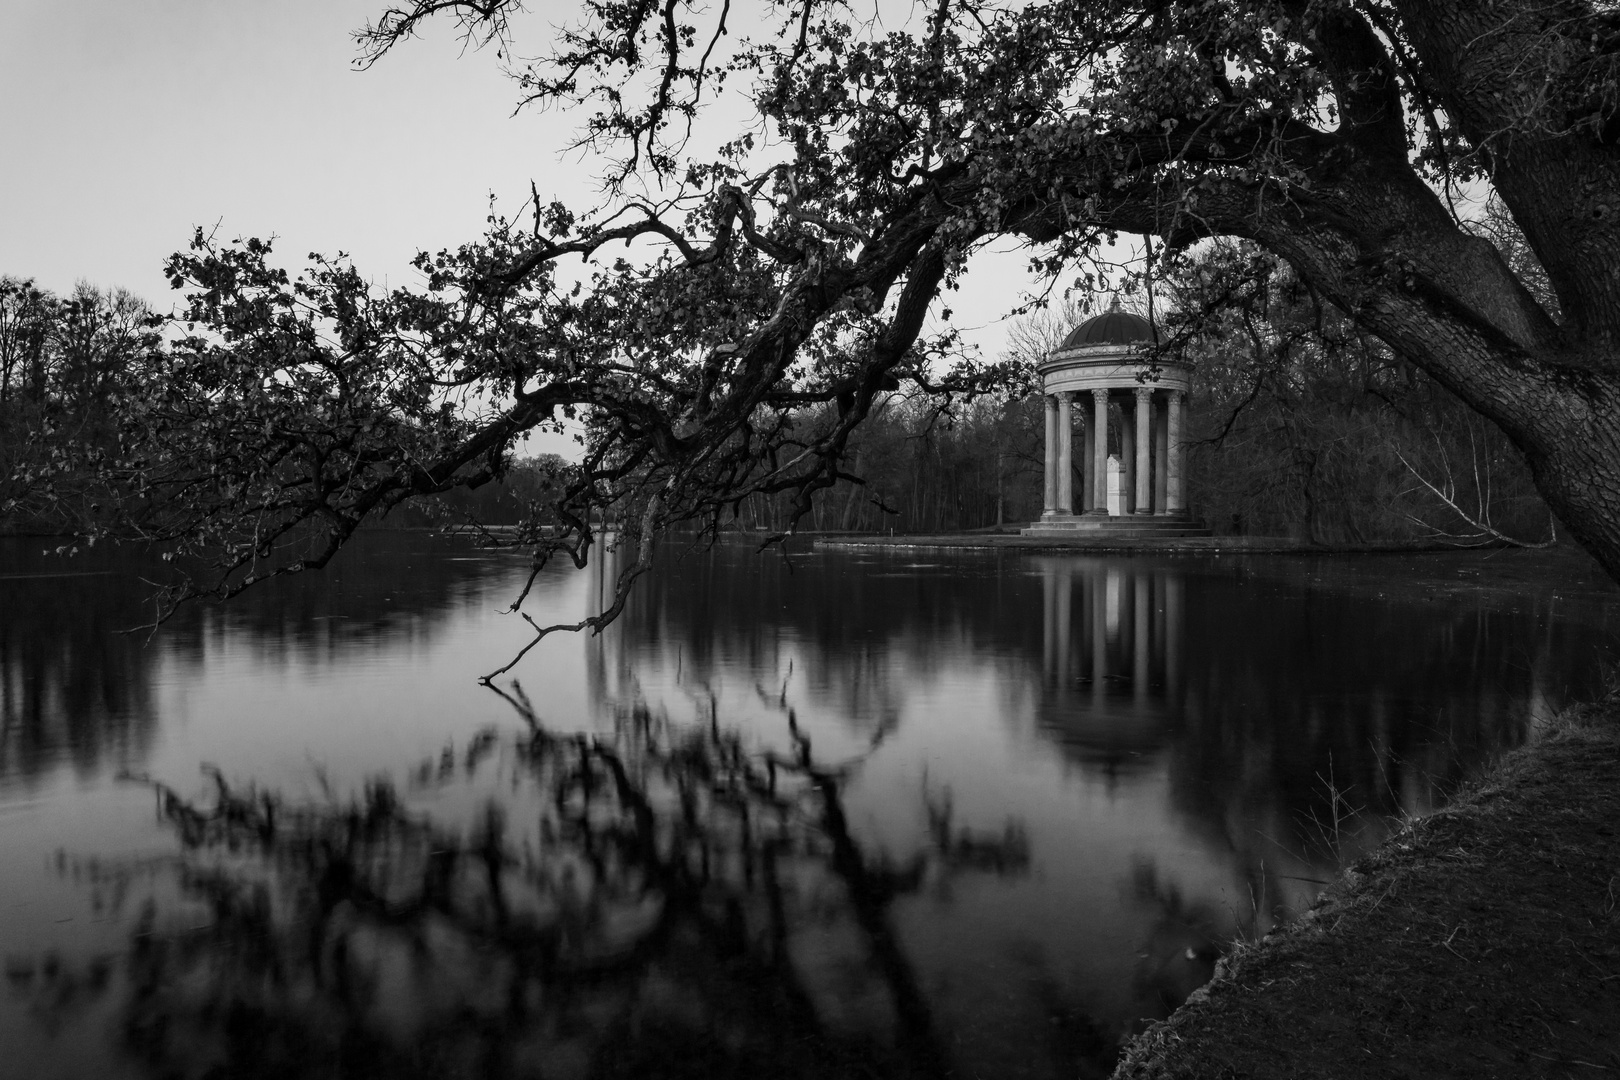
(1130, 483)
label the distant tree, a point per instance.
(1036, 334)
(98, 343)
(67, 367)
(923, 468)
(794, 264)
(523, 496)
(978, 468)
(26, 316)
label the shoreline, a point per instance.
(1482, 940)
(937, 543)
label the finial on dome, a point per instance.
(1116, 326)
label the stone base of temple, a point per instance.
(1117, 525)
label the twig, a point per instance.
(1454, 952)
(1552, 523)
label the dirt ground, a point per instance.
(1482, 941)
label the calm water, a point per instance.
(861, 814)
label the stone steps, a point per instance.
(1123, 526)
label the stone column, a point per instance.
(1051, 455)
(1177, 457)
(1065, 462)
(1127, 460)
(1161, 454)
(1088, 468)
(1144, 447)
(1099, 447)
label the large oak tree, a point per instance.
(799, 188)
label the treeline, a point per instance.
(64, 363)
(928, 467)
(67, 363)
(72, 351)
(975, 466)
(525, 493)
(1298, 425)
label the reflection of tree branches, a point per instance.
(634, 906)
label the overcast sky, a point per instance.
(126, 123)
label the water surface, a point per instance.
(852, 813)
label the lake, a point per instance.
(848, 813)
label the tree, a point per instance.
(65, 363)
(794, 264)
(26, 315)
(1306, 424)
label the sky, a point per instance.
(129, 122)
(125, 124)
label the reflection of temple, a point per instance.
(1133, 456)
(1112, 655)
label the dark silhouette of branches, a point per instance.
(633, 904)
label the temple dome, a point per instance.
(1112, 327)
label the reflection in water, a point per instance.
(78, 672)
(1225, 735)
(1269, 694)
(1111, 658)
(654, 901)
(72, 689)
(853, 814)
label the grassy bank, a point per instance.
(1481, 941)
